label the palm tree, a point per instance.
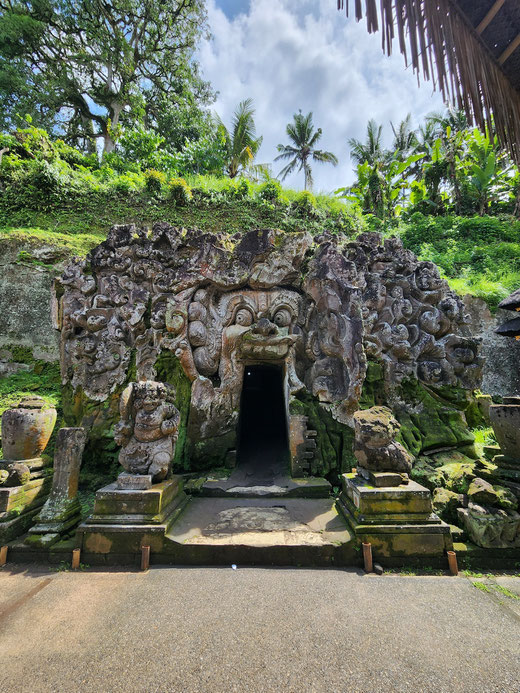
(303, 137)
(405, 138)
(371, 151)
(241, 143)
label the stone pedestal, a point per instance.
(123, 520)
(20, 504)
(396, 520)
(62, 510)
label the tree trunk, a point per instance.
(109, 142)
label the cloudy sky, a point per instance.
(292, 54)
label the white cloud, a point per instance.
(292, 54)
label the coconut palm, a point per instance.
(405, 138)
(301, 150)
(371, 151)
(241, 144)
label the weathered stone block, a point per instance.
(397, 521)
(392, 503)
(61, 511)
(491, 527)
(130, 506)
(136, 482)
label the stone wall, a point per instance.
(25, 300)
(501, 374)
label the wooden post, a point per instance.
(3, 555)
(367, 557)
(76, 556)
(145, 557)
(452, 562)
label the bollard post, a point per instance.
(145, 557)
(367, 557)
(452, 562)
(76, 556)
(3, 555)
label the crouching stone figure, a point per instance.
(148, 429)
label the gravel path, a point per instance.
(223, 630)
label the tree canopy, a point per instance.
(91, 65)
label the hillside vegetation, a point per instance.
(52, 193)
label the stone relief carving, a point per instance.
(412, 321)
(148, 428)
(318, 307)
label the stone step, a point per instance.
(279, 487)
(224, 531)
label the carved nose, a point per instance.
(265, 327)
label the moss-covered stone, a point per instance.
(451, 470)
(482, 492)
(445, 504)
(373, 393)
(334, 441)
(169, 370)
(432, 419)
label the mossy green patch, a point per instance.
(169, 370)
(69, 243)
(334, 442)
(432, 419)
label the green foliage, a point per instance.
(241, 143)
(86, 67)
(443, 167)
(43, 380)
(154, 181)
(180, 191)
(478, 255)
(305, 203)
(271, 190)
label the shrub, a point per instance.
(237, 190)
(270, 191)
(46, 178)
(154, 181)
(180, 191)
(305, 203)
(126, 182)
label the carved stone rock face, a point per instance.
(316, 307)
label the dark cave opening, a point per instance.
(263, 445)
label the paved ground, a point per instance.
(224, 630)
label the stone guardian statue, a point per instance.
(148, 430)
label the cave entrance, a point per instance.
(263, 445)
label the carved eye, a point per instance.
(282, 318)
(244, 317)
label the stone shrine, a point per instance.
(256, 356)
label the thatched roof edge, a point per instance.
(438, 40)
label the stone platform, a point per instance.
(19, 505)
(123, 520)
(264, 531)
(397, 520)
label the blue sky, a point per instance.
(292, 54)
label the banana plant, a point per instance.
(487, 169)
(381, 185)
